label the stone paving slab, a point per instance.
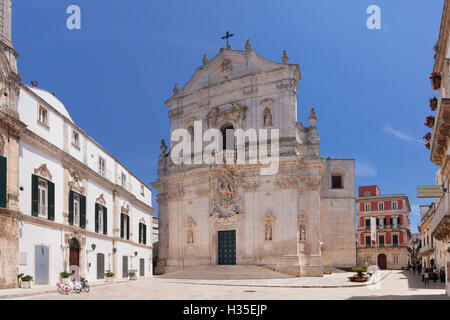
(44, 289)
(336, 280)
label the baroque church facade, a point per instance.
(300, 221)
(66, 204)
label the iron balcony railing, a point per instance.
(442, 210)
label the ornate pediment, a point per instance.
(226, 200)
(76, 183)
(227, 113)
(101, 200)
(230, 64)
(125, 208)
(43, 172)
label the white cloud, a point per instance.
(364, 169)
(400, 135)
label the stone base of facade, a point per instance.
(294, 265)
(9, 249)
(401, 253)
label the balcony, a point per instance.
(440, 132)
(440, 226)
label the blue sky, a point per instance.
(370, 88)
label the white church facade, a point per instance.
(66, 204)
(300, 220)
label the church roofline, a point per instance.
(197, 71)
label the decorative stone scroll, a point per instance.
(43, 172)
(170, 196)
(202, 193)
(250, 187)
(287, 183)
(311, 182)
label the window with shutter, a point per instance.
(96, 216)
(140, 232)
(3, 173)
(144, 236)
(122, 224)
(71, 196)
(51, 200)
(83, 212)
(34, 195)
(105, 222)
(128, 227)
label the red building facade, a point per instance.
(391, 248)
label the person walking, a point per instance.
(427, 278)
(442, 274)
(423, 274)
(435, 274)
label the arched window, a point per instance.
(228, 137)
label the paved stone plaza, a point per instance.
(395, 285)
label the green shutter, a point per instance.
(3, 173)
(51, 201)
(144, 235)
(121, 225)
(105, 220)
(34, 195)
(140, 232)
(96, 217)
(71, 207)
(82, 212)
(128, 227)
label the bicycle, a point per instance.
(84, 284)
(63, 288)
(66, 288)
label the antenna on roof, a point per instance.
(34, 83)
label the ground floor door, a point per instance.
(227, 247)
(124, 266)
(382, 261)
(41, 264)
(142, 267)
(100, 265)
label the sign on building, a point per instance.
(429, 192)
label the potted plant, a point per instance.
(25, 281)
(427, 137)
(435, 78)
(64, 277)
(433, 103)
(360, 276)
(429, 121)
(19, 278)
(109, 276)
(132, 275)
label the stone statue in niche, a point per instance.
(302, 232)
(267, 117)
(268, 232)
(190, 237)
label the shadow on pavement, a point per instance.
(415, 281)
